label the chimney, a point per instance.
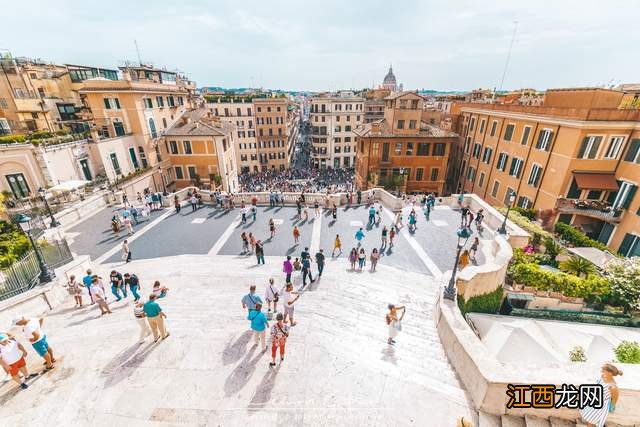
(375, 127)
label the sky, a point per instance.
(330, 44)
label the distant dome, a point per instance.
(389, 81)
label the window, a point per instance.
(534, 175)
(486, 156)
(173, 147)
(186, 145)
(170, 101)
(508, 132)
(434, 174)
(516, 167)
(594, 195)
(148, 103)
(119, 128)
(181, 101)
(143, 157)
(115, 164)
(34, 115)
(471, 174)
(419, 173)
(589, 147)
(179, 174)
(160, 101)
(409, 151)
(630, 246)
(191, 170)
(544, 139)
(152, 128)
(18, 185)
(494, 191)
(574, 192)
(625, 195)
(111, 103)
(482, 122)
(398, 149)
(494, 126)
(438, 149)
(525, 135)
(614, 148)
(476, 150)
(481, 180)
(423, 149)
(134, 158)
(412, 124)
(400, 124)
(507, 195)
(472, 125)
(523, 202)
(385, 151)
(633, 153)
(467, 144)
(347, 128)
(503, 158)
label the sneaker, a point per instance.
(272, 364)
(24, 386)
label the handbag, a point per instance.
(397, 325)
(276, 296)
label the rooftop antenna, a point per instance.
(135, 42)
(506, 64)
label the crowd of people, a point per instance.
(296, 180)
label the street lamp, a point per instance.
(46, 275)
(43, 195)
(463, 236)
(503, 227)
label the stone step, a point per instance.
(532, 421)
(558, 422)
(488, 420)
(512, 421)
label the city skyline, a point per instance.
(341, 46)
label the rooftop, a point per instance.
(385, 131)
(199, 122)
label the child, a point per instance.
(159, 291)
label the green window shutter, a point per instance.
(106, 103)
(629, 198)
(627, 242)
(632, 151)
(117, 103)
(583, 147)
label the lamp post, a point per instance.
(463, 236)
(46, 275)
(503, 227)
(43, 195)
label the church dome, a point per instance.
(389, 79)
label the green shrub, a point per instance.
(12, 139)
(577, 316)
(485, 303)
(62, 132)
(530, 214)
(577, 354)
(628, 352)
(525, 223)
(40, 134)
(576, 237)
(13, 244)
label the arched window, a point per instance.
(152, 128)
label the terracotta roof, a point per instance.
(397, 95)
(198, 122)
(426, 130)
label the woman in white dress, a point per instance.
(597, 416)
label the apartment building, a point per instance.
(201, 150)
(127, 117)
(401, 151)
(277, 123)
(333, 119)
(577, 156)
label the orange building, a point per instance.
(276, 125)
(403, 145)
(201, 151)
(578, 155)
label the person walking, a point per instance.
(474, 248)
(394, 322)
(359, 196)
(76, 289)
(384, 234)
(176, 204)
(138, 313)
(362, 258)
(337, 246)
(375, 256)
(250, 300)
(316, 206)
(296, 234)
(299, 208)
(115, 279)
(194, 204)
(260, 252)
(254, 213)
(359, 236)
(245, 242)
(271, 295)
(272, 228)
(597, 416)
(126, 251)
(128, 225)
(115, 226)
(320, 258)
(372, 215)
(306, 270)
(243, 212)
(306, 213)
(353, 258)
(334, 213)
(155, 317)
(133, 282)
(32, 329)
(464, 260)
(479, 218)
(86, 281)
(259, 325)
(98, 295)
(287, 268)
(279, 335)
(296, 264)
(12, 359)
(392, 234)
(252, 242)
(289, 298)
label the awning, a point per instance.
(596, 181)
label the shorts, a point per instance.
(41, 346)
(15, 368)
(289, 310)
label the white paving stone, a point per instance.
(198, 221)
(439, 223)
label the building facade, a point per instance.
(333, 119)
(277, 122)
(401, 152)
(576, 156)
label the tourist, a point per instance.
(97, 291)
(374, 259)
(474, 248)
(128, 226)
(272, 295)
(158, 290)
(392, 234)
(115, 279)
(134, 214)
(305, 253)
(362, 258)
(125, 200)
(254, 213)
(385, 232)
(86, 281)
(245, 242)
(296, 234)
(32, 329)
(306, 269)
(372, 215)
(299, 209)
(155, 317)
(115, 226)
(398, 221)
(464, 260)
(279, 335)
(176, 204)
(359, 194)
(469, 219)
(194, 204)
(287, 268)
(76, 289)
(316, 206)
(306, 213)
(138, 313)
(243, 212)
(320, 262)
(353, 258)
(289, 298)
(296, 264)
(337, 246)
(479, 218)
(464, 215)
(596, 416)
(259, 324)
(379, 213)
(412, 221)
(132, 281)
(252, 242)
(334, 213)
(12, 359)
(272, 227)
(394, 322)
(260, 252)
(359, 236)
(250, 300)
(126, 251)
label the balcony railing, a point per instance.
(591, 208)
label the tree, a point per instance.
(552, 250)
(578, 266)
(624, 274)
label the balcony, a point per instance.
(591, 208)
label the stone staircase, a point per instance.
(488, 420)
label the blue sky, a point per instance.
(330, 44)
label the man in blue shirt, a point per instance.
(250, 300)
(306, 270)
(259, 325)
(155, 317)
(86, 281)
(372, 215)
(359, 236)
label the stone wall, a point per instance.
(481, 279)
(82, 210)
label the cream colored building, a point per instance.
(333, 119)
